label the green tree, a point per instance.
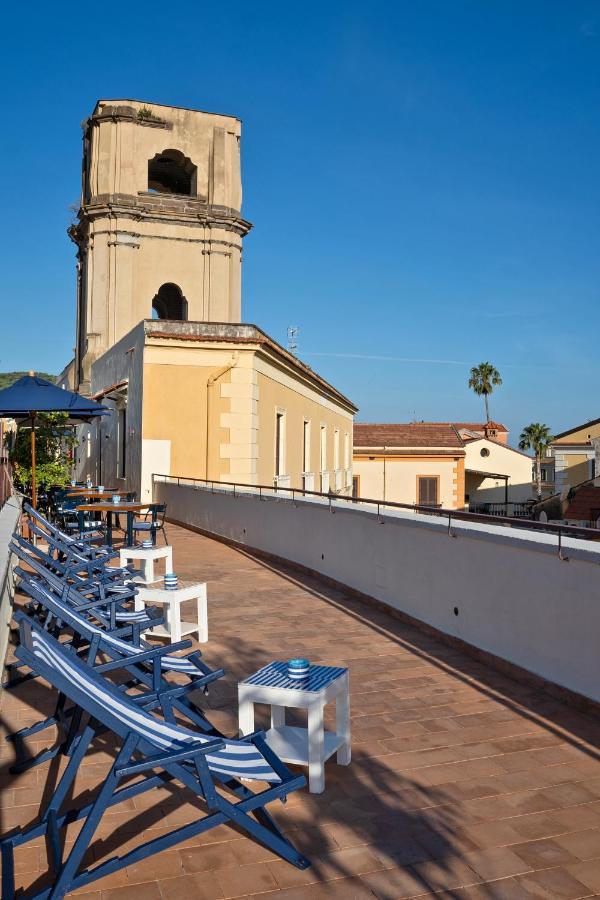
(483, 379)
(54, 442)
(536, 437)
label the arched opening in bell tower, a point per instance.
(170, 172)
(169, 303)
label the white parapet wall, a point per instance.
(504, 590)
(9, 516)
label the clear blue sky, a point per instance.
(423, 177)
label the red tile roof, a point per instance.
(479, 426)
(410, 434)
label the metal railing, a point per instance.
(449, 515)
(509, 509)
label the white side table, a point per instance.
(310, 746)
(174, 628)
(147, 558)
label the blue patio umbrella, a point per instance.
(31, 395)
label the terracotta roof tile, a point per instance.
(410, 434)
(479, 426)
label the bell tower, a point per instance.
(159, 231)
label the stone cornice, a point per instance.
(167, 208)
(241, 333)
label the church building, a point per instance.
(194, 391)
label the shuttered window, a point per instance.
(427, 491)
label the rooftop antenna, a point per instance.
(292, 335)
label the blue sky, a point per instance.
(423, 178)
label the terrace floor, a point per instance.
(463, 783)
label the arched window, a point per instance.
(170, 172)
(169, 303)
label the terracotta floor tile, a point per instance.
(587, 873)
(544, 853)
(394, 884)
(190, 887)
(458, 771)
(496, 862)
(582, 844)
(148, 891)
(238, 881)
(553, 883)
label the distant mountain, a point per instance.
(7, 378)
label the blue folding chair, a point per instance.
(113, 642)
(153, 751)
(106, 600)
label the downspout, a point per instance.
(212, 379)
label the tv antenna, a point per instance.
(292, 335)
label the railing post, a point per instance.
(560, 553)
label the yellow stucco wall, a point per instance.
(298, 404)
(399, 474)
(577, 468)
(582, 435)
(497, 459)
(241, 407)
(175, 410)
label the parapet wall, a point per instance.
(9, 516)
(506, 592)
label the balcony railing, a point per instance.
(450, 516)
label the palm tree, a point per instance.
(538, 438)
(484, 378)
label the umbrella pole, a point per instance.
(33, 473)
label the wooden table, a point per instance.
(110, 509)
(83, 494)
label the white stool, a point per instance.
(147, 557)
(310, 746)
(174, 628)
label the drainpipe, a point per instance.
(209, 385)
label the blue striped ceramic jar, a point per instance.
(298, 668)
(171, 581)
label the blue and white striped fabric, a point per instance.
(275, 674)
(58, 584)
(237, 759)
(168, 663)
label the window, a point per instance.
(122, 437)
(306, 446)
(323, 449)
(427, 490)
(279, 444)
(170, 172)
(336, 449)
(169, 303)
(356, 487)
(484, 451)
(346, 450)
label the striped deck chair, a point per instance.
(112, 643)
(153, 752)
(146, 667)
(82, 544)
(84, 593)
(89, 575)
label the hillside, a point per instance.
(7, 378)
